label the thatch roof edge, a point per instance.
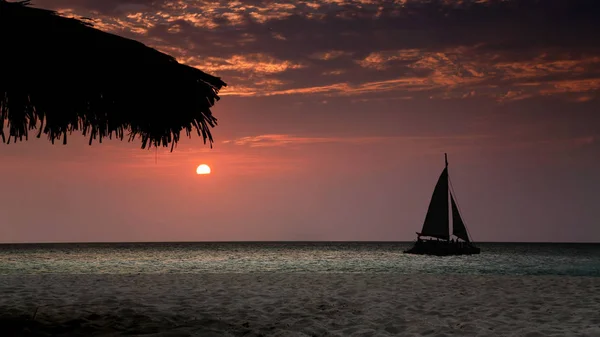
(26, 111)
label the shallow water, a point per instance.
(319, 257)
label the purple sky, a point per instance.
(334, 125)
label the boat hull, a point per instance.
(443, 248)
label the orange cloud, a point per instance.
(540, 67)
(345, 89)
(381, 60)
(572, 86)
(335, 72)
(513, 95)
(330, 55)
(464, 67)
(249, 63)
(273, 140)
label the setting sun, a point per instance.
(203, 169)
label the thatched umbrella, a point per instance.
(62, 75)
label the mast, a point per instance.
(448, 195)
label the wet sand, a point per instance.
(296, 304)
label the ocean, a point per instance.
(558, 259)
(305, 289)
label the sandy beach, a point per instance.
(299, 305)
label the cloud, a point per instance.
(382, 60)
(504, 50)
(501, 138)
(283, 140)
(277, 140)
(252, 63)
(330, 55)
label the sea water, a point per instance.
(315, 257)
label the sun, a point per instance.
(203, 169)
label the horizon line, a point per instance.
(277, 241)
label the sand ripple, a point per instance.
(299, 305)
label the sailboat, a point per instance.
(436, 227)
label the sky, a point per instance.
(334, 126)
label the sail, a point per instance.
(437, 222)
(458, 226)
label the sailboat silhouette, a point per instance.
(437, 224)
